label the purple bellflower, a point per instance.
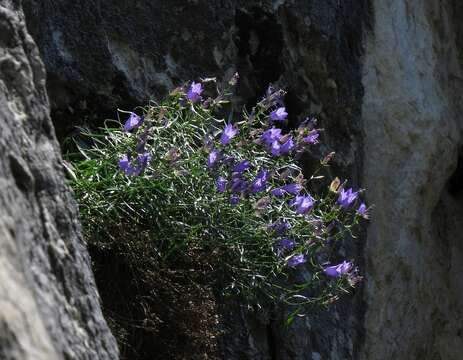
(363, 211)
(287, 147)
(285, 245)
(241, 166)
(294, 189)
(303, 204)
(271, 135)
(278, 192)
(129, 169)
(212, 158)
(221, 184)
(312, 138)
(260, 182)
(143, 160)
(338, 270)
(296, 260)
(194, 93)
(229, 132)
(347, 197)
(275, 148)
(238, 185)
(124, 165)
(134, 121)
(279, 114)
(280, 227)
(234, 199)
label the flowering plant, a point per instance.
(229, 189)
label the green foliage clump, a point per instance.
(176, 181)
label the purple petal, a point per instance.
(287, 146)
(279, 114)
(271, 135)
(338, 270)
(234, 199)
(221, 184)
(212, 158)
(347, 197)
(275, 148)
(124, 163)
(312, 138)
(132, 122)
(278, 192)
(296, 260)
(228, 133)
(294, 188)
(303, 204)
(362, 210)
(286, 245)
(194, 93)
(260, 182)
(242, 166)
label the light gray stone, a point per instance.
(412, 119)
(49, 306)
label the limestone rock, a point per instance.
(412, 119)
(49, 306)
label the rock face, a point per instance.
(384, 78)
(412, 118)
(48, 300)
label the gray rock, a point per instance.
(412, 119)
(49, 305)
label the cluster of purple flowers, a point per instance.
(238, 184)
(134, 166)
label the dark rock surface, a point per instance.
(49, 305)
(384, 78)
(102, 54)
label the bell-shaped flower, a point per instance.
(363, 211)
(260, 182)
(234, 199)
(285, 245)
(347, 197)
(271, 135)
(279, 114)
(312, 137)
(229, 132)
(212, 158)
(221, 184)
(296, 260)
(303, 204)
(338, 270)
(134, 121)
(287, 146)
(241, 166)
(194, 92)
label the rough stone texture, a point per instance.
(49, 305)
(102, 54)
(412, 118)
(384, 77)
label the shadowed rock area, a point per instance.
(48, 299)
